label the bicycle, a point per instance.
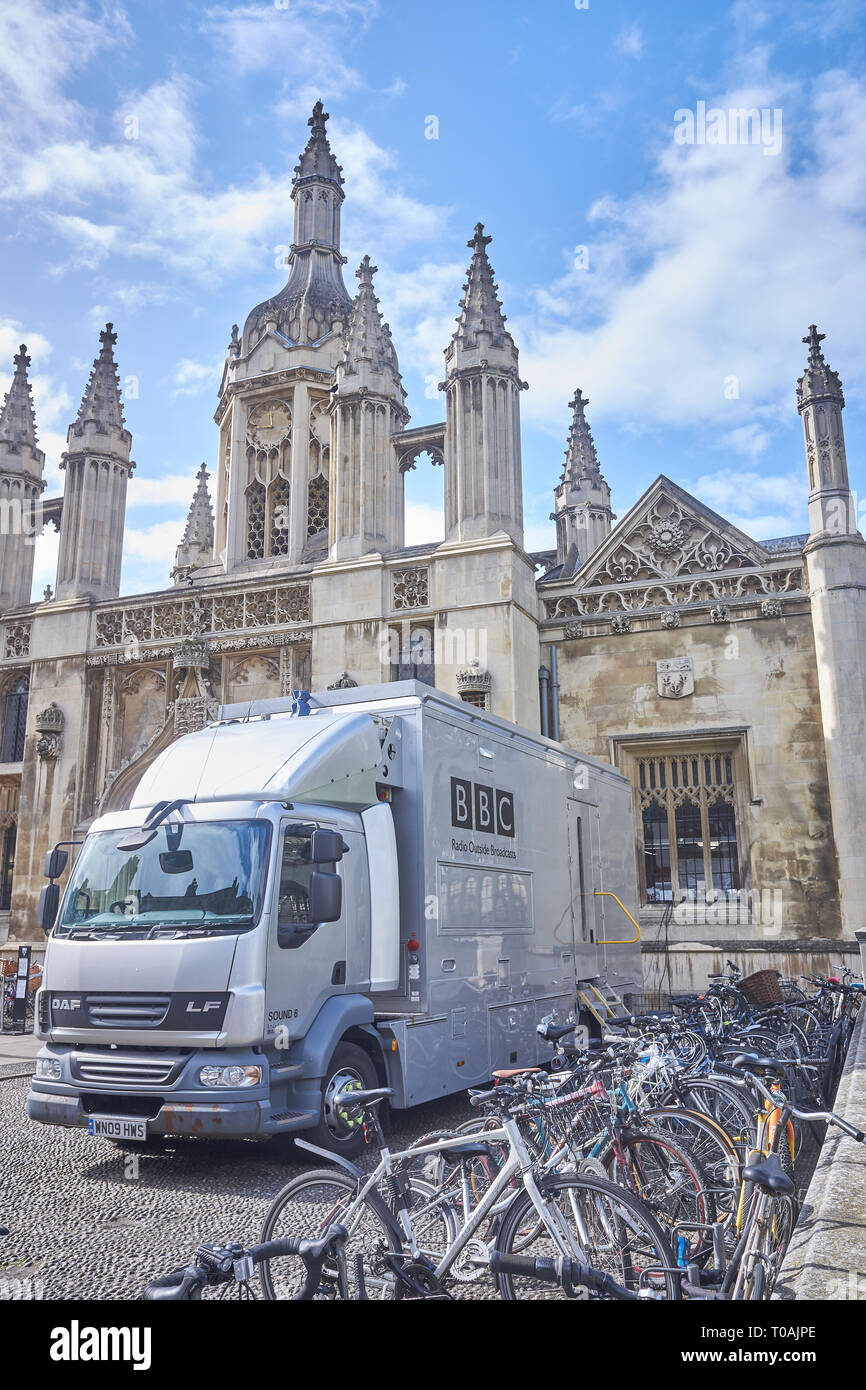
(768, 1204)
(575, 1217)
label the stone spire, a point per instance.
(368, 358)
(101, 401)
(196, 547)
(98, 468)
(314, 299)
(820, 402)
(836, 565)
(18, 423)
(317, 162)
(483, 480)
(368, 411)
(581, 460)
(21, 485)
(582, 499)
(481, 323)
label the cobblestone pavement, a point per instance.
(79, 1227)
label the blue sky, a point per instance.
(681, 320)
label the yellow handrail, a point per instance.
(615, 941)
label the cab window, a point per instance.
(295, 871)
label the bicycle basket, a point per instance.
(762, 988)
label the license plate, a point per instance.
(114, 1127)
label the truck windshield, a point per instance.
(193, 877)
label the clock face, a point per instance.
(269, 423)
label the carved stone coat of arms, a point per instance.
(675, 678)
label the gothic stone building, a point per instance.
(723, 675)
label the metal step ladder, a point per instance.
(602, 1001)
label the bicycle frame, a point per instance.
(519, 1162)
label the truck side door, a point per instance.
(301, 977)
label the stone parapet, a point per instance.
(827, 1255)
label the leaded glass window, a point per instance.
(687, 802)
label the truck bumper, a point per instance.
(190, 1110)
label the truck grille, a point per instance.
(136, 1107)
(127, 1010)
(125, 1071)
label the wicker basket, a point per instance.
(762, 988)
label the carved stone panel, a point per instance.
(142, 698)
(675, 678)
(253, 678)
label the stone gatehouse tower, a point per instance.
(723, 675)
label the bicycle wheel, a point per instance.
(726, 1106)
(667, 1180)
(708, 1143)
(307, 1206)
(606, 1227)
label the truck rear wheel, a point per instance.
(349, 1065)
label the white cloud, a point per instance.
(424, 522)
(148, 555)
(421, 306)
(45, 563)
(41, 46)
(381, 208)
(192, 377)
(167, 491)
(762, 506)
(715, 274)
(629, 41)
(300, 41)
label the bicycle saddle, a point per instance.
(750, 1061)
(471, 1149)
(506, 1073)
(769, 1175)
(372, 1097)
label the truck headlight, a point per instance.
(48, 1068)
(230, 1076)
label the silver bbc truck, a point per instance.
(381, 884)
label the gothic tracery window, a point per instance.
(319, 465)
(269, 455)
(317, 505)
(279, 516)
(687, 805)
(14, 720)
(7, 866)
(255, 521)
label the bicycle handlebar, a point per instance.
(568, 1274)
(224, 1264)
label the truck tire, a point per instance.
(349, 1063)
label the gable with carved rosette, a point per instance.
(669, 552)
(669, 535)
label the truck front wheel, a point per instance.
(349, 1065)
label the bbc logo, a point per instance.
(486, 810)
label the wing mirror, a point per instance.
(326, 897)
(326, 847)
(325, 905)
(49, 902)
(55, 862)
